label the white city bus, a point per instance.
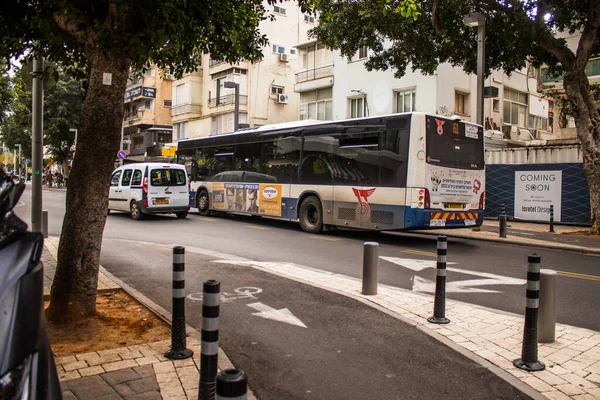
(402, 171)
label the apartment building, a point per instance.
(204, 101)
(332, 87)
(147, 122)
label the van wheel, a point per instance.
(311, 215)
(136, 213)
(181, 215)
(202, 203)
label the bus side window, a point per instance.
(390, 140)
(279, 158)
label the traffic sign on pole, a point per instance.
(26, 161)
(121, 154)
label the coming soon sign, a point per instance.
(535, 191)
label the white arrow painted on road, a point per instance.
(465, 286)
(411, 263)
(283, 315)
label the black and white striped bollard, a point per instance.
(503, 209)
(551, 218)
(178, 337)
(232, 385)
(209, 350)
(439, 306)
(529, 353)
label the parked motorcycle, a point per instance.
(27, 369)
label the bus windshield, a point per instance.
(454, 144)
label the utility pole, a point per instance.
(37, 104)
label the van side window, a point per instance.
(114, 181)
(126, 177)
(137, 178)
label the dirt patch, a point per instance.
(119, 321)
(582, 233)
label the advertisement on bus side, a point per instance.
(264, 199)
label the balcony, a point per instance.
(226, 100)
(140, 117)
(312, 79)
(188, 108)
(212, 63)
(312, 74)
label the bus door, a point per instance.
(356, 171)
(316, 172)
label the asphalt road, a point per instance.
(325, 345)
(483, 273)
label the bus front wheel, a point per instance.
(311, 215)
(202, 203)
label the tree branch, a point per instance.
(78, 27)
(588, 36)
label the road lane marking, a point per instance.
(208, 219)
(284, 315)
(422, 253)
(325, 238)
(463, 286)
(262, 228)
(580, 276)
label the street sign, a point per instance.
(26, 161)
(121, 154)
(126, 141)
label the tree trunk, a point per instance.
(73, 295)
(587, 122)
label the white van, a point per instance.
(150, 188)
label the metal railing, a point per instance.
(212, 63)
(186, 108)
(225, 100)
(315, 73)
(134, 116)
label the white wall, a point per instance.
(379, 87)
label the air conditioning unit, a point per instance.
(170, 77)
(282, 99)
(283, 57)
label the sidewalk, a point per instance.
(491, 337)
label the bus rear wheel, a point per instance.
(311, 215)
(202, 203)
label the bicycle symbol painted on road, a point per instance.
(245, 292)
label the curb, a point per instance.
(544, 245)
(498, 371)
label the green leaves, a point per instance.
(409, 9)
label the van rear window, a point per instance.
(167, 177)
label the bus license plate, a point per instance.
(470, 222)
(454, 206)
(160, 201)
(437, 222)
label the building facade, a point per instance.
(147, 121)
(204, 105)
(332, 87)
